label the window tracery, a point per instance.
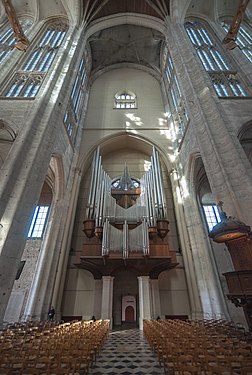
(27, 81)
(212, 215)
(223, 75)
(38, 223)
(243, 39)
(175, 98)
(125, 100)
(8, 39)
(78, 95)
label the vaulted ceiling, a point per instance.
(129, 44)
(92, 10)
(87, 11)
(113, 39)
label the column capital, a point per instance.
(145, 277)
(108, 278)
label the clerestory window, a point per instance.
(243, 39)
(223, 75)
(28, 79)
(77, 98)
(175, 98)
(8, 39)
(38, 223)
(125, 100)
(212, 215)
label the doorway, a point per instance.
(128, 309)
(125, 295)
(129, 314)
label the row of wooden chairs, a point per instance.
(68, 348)
(199, 347)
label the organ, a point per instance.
(126, 222)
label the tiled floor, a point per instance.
(126, 352)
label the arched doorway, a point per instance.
(128, 309)
(125, 295)
(129, 314)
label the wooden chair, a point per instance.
(43, 363)
(246, 370)
(189, 369)
(219, 370)
(30, 370)
(59, 371)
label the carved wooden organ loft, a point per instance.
(126, 222)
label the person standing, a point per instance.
(51, 313)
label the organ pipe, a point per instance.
(153, 185)
(125, 240)
(88, 214)
(100, 202)
(159, 179)
(144, 197)
(155, 182)
(94, 183)
(149, 208)
(145, 238)
(105, 239)
(149, 198)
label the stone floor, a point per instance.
(126, 352)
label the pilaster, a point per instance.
(144, 299)
(107, 298)
(156, 307)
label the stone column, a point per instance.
(144, 299)
(210, 126)
(98, 289)
(191, 276)
(156, 307)
(107, 298)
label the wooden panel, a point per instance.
(125, 6)
(241, 253)
(159, 250)
(239, 283)
(92, 250)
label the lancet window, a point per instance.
(243, 39)
(78, 94)
(28, 79)
(212, 215)
(8, 39)
(125, 100)
(38, 223)
(175, 98)
(223, 75)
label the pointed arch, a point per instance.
(7, 138)
(245, 138)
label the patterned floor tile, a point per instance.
(126, 353)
